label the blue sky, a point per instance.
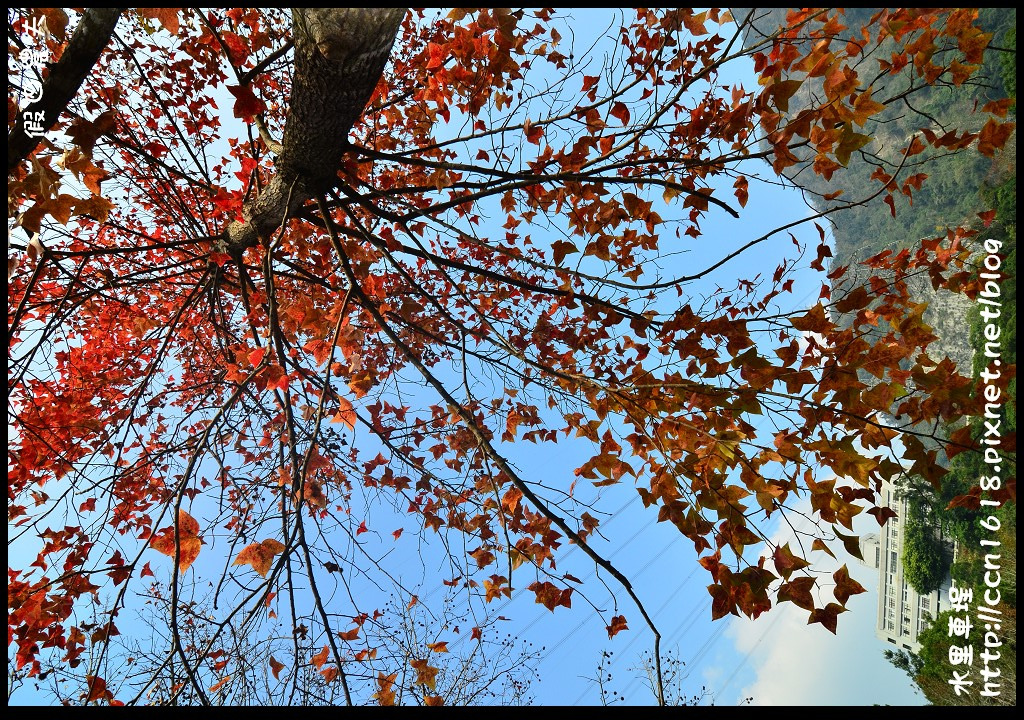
(776, 660)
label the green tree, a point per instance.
(925, 557)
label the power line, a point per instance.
(746, 658)
(691, 617)
(595, 612)
(519, 593)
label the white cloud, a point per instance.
(794, 663)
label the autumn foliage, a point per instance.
(202, 407)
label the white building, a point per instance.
(870, 550)
(902, 612)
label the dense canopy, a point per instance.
(288, 288)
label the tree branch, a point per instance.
(340, 54)
(66, 76)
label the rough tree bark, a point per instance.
(340, 54)
(66, 76)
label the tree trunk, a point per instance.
(340, 54)
(66, 76)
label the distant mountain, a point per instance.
(950, 195)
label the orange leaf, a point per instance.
(276, 667)
(247, 105)
(865, 107)
(189, 542)
(694, 22)
(798, 592)
(786, 562)
(350, 635)
(722, 602)
(320, 658)
(260, 555)
(92, 178)
(994, 136)
(533, 132)
(256, 356)
(827, 616)
(620, 112)
(742, 192)
(426, 674)
(168, 18)
(313, 493)
(999, 107)
(813, 321)
(385, 695)
(971, 501)
(617, 626)
(561, 248)
(96, 689)
(782, 91)
(56, 21)
(550, 596)
(511, 499)
(346, 414)
(987, 217)
(845, 585)
(218, 685)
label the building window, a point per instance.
(926, 603)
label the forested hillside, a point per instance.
(950, 193)
(957, 187)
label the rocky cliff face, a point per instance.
(949, 196)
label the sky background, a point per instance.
(777, 659)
